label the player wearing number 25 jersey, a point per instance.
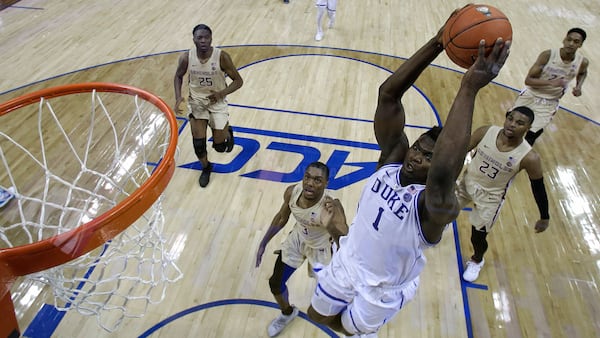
(500, 153)
(207, 105)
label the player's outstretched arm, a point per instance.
(533, 166)
(279, 221)
(441, 206)
(389, 116)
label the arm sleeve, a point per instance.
(541, 198)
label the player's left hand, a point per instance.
(486, 68)
(440, 32)
(333, 217)
(214, 97)
(259, 254)
(541, 225)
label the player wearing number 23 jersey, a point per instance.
(500, 153)
(488, 176)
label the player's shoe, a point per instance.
(472, 270)
(319, 36)
(6, 195)
(279, 323)
(230, 140)
(205, 176)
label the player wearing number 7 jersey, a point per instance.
(500, 154)
(404, 206)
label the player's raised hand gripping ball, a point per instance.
(464, 30)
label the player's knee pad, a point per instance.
(220, 147)
(200, 147)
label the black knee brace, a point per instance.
(200, 147)
(220, 147)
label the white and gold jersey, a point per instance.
(205, 77)
(492, 169)
(554, 69)
(308, 221)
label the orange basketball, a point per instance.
(470, 25)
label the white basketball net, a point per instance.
(82, 163)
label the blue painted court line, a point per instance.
(237, 301)
(27, 7)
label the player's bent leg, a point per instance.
(281, 273)
(373, 307)
(331, 297)
(223, 139)
(230, 140)
(200, 147)
(278, 285)
(201, 153)
(220, 147)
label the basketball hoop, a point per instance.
(86, 214)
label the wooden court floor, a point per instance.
(319, 99)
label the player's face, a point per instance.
(516, 124)
(202, 40)
(314, 183)
(418, 160)
(572, 42)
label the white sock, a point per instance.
(331, 7)
(320, 14)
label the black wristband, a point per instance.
(541, 197)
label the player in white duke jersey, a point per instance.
(309, 239)
(500, 154)
(207, 104)
(405, 205)
(325, 5)
(548, 78)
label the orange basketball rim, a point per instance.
(59, 249)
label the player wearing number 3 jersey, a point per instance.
(310, 239)
(405, 205)
(500, 153)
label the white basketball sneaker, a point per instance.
(319, 36)
(472, 270)
(279, 323)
